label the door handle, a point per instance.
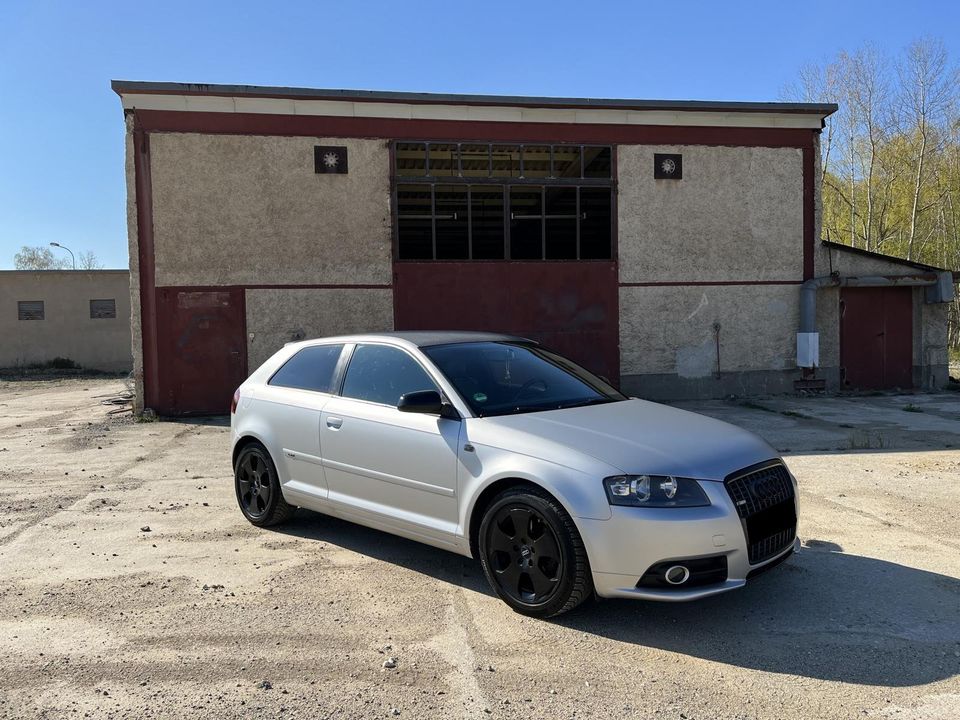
(334, 422)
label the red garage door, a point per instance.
(876, 338)
(570, 307)
(201, 349)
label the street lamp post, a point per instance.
(64, 247)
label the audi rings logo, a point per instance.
(765, 489)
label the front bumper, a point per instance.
(622, 548)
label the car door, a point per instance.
(394, 468)
(290, 403)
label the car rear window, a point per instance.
(310, 369)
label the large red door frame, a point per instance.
(570, 307)
(202, 348)
(876, 338)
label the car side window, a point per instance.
(381, 374)
(310, 369)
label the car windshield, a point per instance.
(502, 378)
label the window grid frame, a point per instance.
(506, 183)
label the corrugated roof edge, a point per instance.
(122, 87)
(888, 258)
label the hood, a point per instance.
(637, 437)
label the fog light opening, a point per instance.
(676, 575)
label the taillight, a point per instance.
(235, 401)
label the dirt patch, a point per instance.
(204, 615)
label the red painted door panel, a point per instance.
(876, 338)
(570, 307)
(202, 349)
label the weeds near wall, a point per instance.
(867, 440)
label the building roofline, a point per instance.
(123, 87)
(887, 258)
(78, 271)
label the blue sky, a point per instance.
(61, 127)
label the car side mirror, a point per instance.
(428, 402)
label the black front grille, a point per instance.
(755, 491)
(763, 496)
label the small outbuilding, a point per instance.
(82, 316)
(663, 244)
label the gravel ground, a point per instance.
(132, 587)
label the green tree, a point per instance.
(890, 156)
(39, 258)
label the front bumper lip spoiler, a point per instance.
(613, 585)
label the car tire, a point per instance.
(258, 487)
(532, 553)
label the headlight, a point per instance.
(654, 491)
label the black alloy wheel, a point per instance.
(532, 554)
(258, 487)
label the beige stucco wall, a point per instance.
(669, 329)
(278, 316)
(136, 332)
(67, 329)
(250, 210)
(737, 214)
(932, 354)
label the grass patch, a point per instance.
(795, 414)
(910, 407)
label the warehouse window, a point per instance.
(490, 201)
(103, 309)
(30, 309)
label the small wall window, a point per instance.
(30, 309)
(103, 309)
(487, 201)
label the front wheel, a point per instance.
(532, 554)
(258, 487)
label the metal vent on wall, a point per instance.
(103, 309)
(30, 309)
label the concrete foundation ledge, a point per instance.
(670, 386)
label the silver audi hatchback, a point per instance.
(496, 448)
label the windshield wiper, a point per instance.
(585, 403)
(528, 408)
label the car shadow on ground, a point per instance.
(823, 614)
(208, 420)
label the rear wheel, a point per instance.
(532, 553)
(258, 487)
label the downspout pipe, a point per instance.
(808, 339)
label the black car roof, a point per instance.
(427, 338)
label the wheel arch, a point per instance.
(245, 441)
(485, 498)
